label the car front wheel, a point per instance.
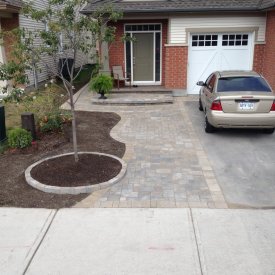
(200, 105)
(208, 127)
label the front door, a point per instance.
(143, 53)
(143, 57)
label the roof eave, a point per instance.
(9, 8)
(181, 11)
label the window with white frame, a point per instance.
(235, 39)
(204, 40)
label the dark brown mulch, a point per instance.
(93, 135)
(89, 170)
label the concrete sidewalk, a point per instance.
(137, 241)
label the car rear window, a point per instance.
(242, 84)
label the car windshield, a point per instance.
(242, 84)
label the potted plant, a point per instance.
(102, 84)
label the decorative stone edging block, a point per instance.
(78, 189)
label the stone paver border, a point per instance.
(78, 189)
(134, 99)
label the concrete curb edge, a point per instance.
(74, 190)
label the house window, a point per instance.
(158, 56)
(235, 40)
(128, 57)
(204, 40)
(142, 28)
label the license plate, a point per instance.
(246, 105)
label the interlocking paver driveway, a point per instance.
(167, 166)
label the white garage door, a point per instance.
(212, 52)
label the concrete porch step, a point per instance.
(142, 90)
(134, 99)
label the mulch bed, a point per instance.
(89, 170)
(93, 135)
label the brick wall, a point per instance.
(116, 52)
(176, 67)
(8, 24)
(269, 53)
(258, 58)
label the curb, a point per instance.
(78, 189)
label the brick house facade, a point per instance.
(117, 48)
(199, 37)
(8, 24)
(268, 67)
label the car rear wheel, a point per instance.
(269, 131)
(208, 127)
(200, 105)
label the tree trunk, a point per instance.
(76, 158)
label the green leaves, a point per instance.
(101, 84)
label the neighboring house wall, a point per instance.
(8, 24)
(32, 25)
(269, 54)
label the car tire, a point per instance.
(208, 127)
(269, 131)
(200, 105)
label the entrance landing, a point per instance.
(133, 99)
(143, 89)
(141, 95)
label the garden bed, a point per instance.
(93, 135)
(89, 170)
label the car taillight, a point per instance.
(273, 106)
(216, 106)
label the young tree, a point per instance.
(69, 36)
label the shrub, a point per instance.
(15, 95)
(3, 147)
(42, 104)
(19, 138)
(53, 122)
(101, 84)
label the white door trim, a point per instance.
(154, 82)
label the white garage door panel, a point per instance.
(212, 52)
(202, 63)
(232, 59)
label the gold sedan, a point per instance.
(237, 99)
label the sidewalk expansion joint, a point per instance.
(196, 240)
(52, 217)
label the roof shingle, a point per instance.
(130, 6)
(15, 3)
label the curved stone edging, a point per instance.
(78, 189)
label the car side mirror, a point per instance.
(201, 83)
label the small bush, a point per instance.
(53, 122)
(50, 123)
(42, 104)
(19, 138)
(3, 147)
(101, 84)
(15, 95)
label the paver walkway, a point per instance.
(167, 166)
